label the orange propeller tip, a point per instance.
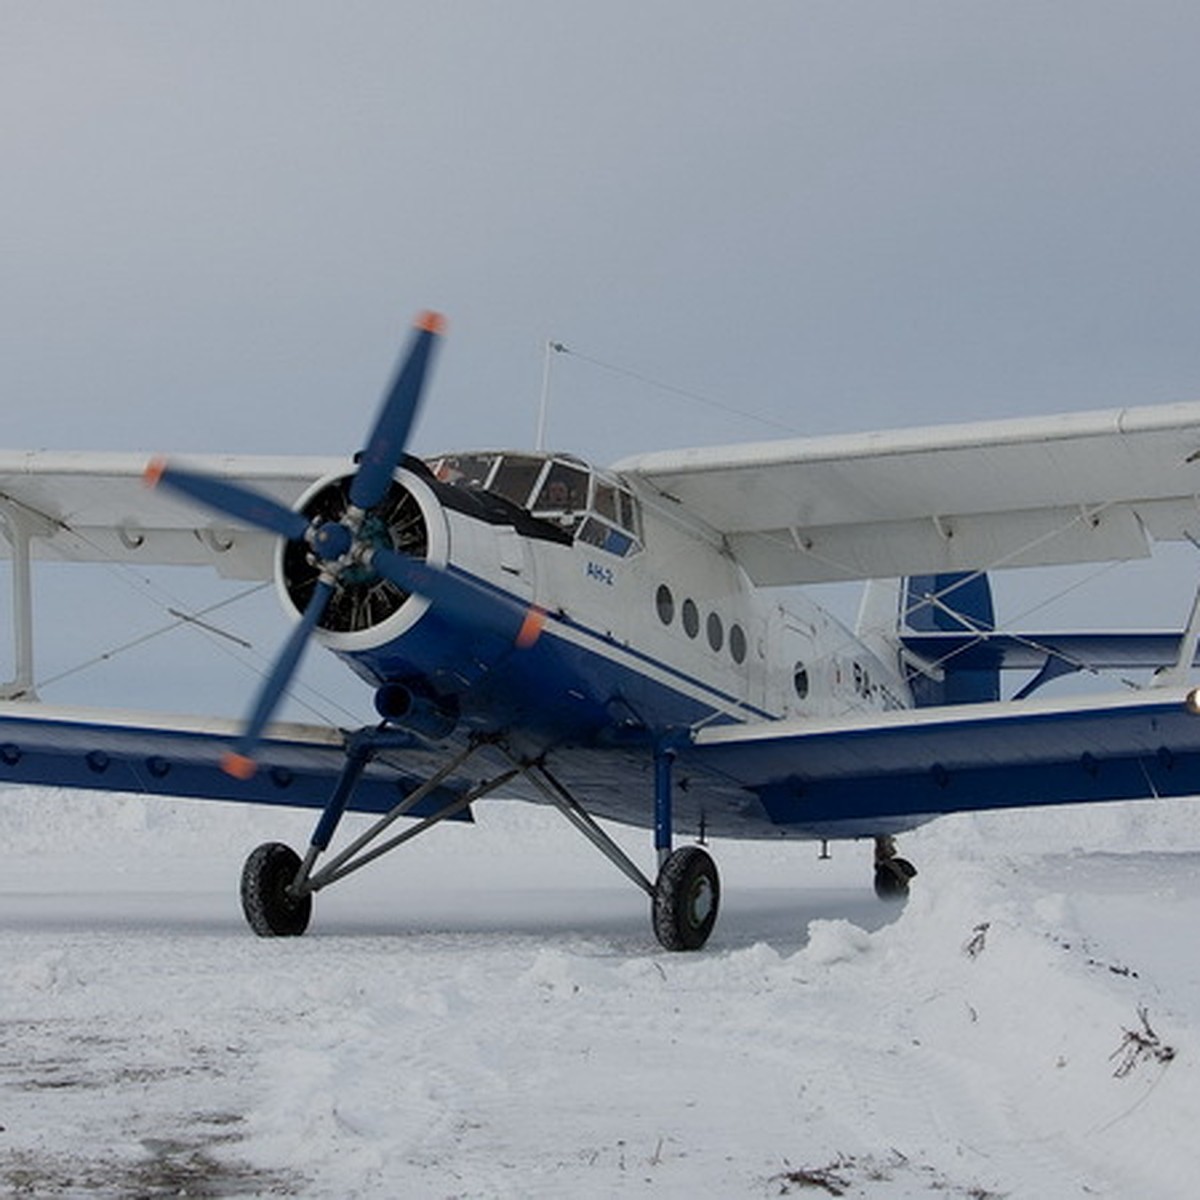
(154, 471)
(431, 322)
(531, 627)
(238, 765)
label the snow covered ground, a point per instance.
(486, 1015)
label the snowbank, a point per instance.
(488, 1015)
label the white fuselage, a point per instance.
(648, 621)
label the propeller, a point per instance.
(239, 762)
(230, 498)
(519, 623)
(333, 544)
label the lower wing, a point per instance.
(879, 774)
(181, 756)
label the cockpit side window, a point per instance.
(604, 503)
(615, 504)
(602, 535)
(628, 513)
(612, 525)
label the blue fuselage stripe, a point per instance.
(604, 644)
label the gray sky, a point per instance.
(219, 217)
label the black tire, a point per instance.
(891, 879)
(270, 909)
(687, 896)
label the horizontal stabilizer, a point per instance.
(1098, 651)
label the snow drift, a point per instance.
(488, 1015)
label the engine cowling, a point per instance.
(366, 610)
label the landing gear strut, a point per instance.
(892, 873)
(278, 888)
(685, 897)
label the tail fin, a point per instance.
(950, 603)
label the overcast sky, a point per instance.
(219, 217)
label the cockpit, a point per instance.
(591, 505)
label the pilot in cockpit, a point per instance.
(557, 496)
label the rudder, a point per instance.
(952, 602)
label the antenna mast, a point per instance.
(544, 405)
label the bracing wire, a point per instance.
(320, 705)
(674, 390)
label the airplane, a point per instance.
(613, 642)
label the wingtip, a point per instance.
(153, 473)
(431, 322)
(239, 766)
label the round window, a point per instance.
(716, 631)
(691, 618)
(665, 603)
(737, 643)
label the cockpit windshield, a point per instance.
(514, 477)
(595, 507)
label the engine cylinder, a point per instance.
(366, 610)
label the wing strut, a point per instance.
(1178, 674)
(19, 526)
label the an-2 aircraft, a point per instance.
(609, 641)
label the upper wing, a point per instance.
(94, 507)
(1084, 487)
(869, 775)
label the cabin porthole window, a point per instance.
(664, 601)
(737, 644)
(691, 618)
(715, 630)
(800, 680)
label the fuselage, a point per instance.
(645, 625)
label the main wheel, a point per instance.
(271, 910)
(891, 878)
(686, 898)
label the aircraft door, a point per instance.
(793, 676)
(515, 561)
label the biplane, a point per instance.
(634, 644)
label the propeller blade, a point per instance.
(477, 604)
(385, 446)
(232, 499)
(239, 762)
